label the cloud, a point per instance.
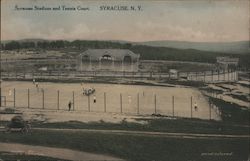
(175, 32)
(162, 21)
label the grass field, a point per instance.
(138, 148)
(146, 148)
(231, 112)
(157, 125)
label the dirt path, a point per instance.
(58, 153)
(144, 133)
(147, 133)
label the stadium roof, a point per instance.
(116, 54)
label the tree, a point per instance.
(12, 45)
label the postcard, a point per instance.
(143, 80)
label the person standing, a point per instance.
(94, 99)
(195, 106)
(37, 86)
(69, 105)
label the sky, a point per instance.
(178, 20)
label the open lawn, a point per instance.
(138, 148)
(156, 125)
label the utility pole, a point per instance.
(1, 77)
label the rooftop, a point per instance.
(116, 54)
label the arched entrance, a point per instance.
(85, 58)
(106, 59)
(106, 62)
(127, 60)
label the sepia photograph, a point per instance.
(123, 80)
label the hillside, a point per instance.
(147, 52)
(238, 47)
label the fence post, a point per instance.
(88, 103)
(224, 77)
(14, 95)
(232, 75)
(209, 109)
(173, 104)
(104, 101)
(138, 103)
(58, 95)
(28, 98)
(155, 103)
(5, 102)
(191, 106)
(218, 72)
(121, 101)
(73, 99)
(204, 76)
(43, 97)
(212, 76)
(236, 75)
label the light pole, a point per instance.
(0, 91)
(1, 78)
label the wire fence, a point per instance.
(140, 103)
(204, 76)
(214, 76)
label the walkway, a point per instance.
(59, 153)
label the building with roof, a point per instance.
(108, 60)
(227, 62)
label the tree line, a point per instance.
(146, 52)
(57, 44)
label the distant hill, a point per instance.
(154, 50)
(238, 47)
(25, 40)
